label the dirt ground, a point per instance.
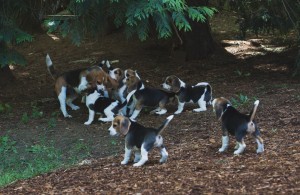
(192, 139)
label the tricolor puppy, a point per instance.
(118, 75)
(130, 106)
(97, 103)
(140, 138)
(200, 93)
(237, 124)
(146, 96)
(69, 85)
(130, 72)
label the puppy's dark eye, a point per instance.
(98, 82)
(114, 125)
(127, 75)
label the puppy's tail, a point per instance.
(165, 124)
(253, 111)
(50, 67)
(208, 92)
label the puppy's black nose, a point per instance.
(161, 85)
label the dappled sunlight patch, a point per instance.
(250, 48)
(271, 67)
(54, 37)
(11, 67)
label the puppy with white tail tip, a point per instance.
(237, 124)
(69, 85)
(140, 138)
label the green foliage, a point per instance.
(241, 74)
(36, 113)
(25, 118)
(241, 100)
(137, 17)
(20, 162)
(7, 146)
(5, 107)
(266, 16)
(11, 13)
(53, 120)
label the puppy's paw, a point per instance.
(75, 107)
(137, 164)
(105, 119)
(163, 160)
(161, 112)
(222, 150)
(237, 152)
(88, 122)
(177, 112)
(124, 162)
(133, 119)
(199, 110)
(67, 116)
(260, 150)
(136, 160)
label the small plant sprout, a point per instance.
(241, 74)
(25, 118)
(5, 107)
(36, 113)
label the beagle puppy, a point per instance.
(146, 96)
(130, 106)
(140, 138)
(117, 74)
(200, 93)
(69, 85)
(96, 102)
(130, 72)
(237, 124)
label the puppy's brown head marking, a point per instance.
(174, 83)
(120, 124)
(102, 77)
(219, 105)
(132, 83)
(129, 72)
(117, 74)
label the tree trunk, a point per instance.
(6, 76)
(199, 43)
(297, 66)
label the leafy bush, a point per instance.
(11, 13)
(137, 17)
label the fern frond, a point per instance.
(162, 25)
(143, 29)
(196, 15)
(180, 21)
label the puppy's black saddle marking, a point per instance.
(151, 97)
(236, 123)
(138, 135)
(192, 93)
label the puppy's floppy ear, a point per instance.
(131, 83)
(120, 73)
(219, 104)
(106, 82)
(124, 126)
(175, 87)
(219, 111)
